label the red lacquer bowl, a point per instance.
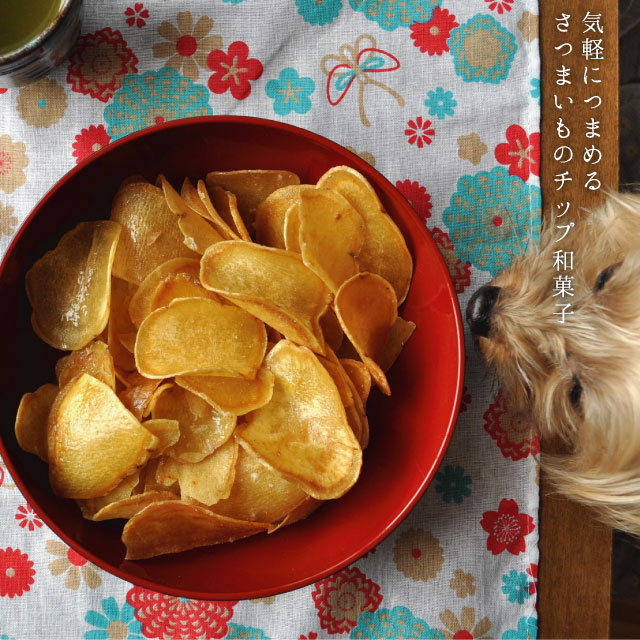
(409, 431)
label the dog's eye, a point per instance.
(575, 394)
(604, 277)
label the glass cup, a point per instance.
(45, 50)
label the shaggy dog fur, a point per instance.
(579, 380)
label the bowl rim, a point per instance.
(290, 585)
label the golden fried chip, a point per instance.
(359, 375)
(198, 233)
(167, 432)
(292, 227)
(301, 511)
(196, 335)
(128, 340)
(339, 378)
(225, 230)
(271, 214)
(400, 332)
(69, 287)
(91, 506)
(202, 427)
(206, 481)
(133, 179)
(31, 420)
(177, 278)
(331, 329)
(120, 324)
(303, 432)
(232, 395)
(172, 526)
(93, 441)
(126, 508)
(251, 187)
(366, 307)
(384, 251)
(226, 204)
(331, 235)
(94, 359)
(271, 284)
(258, 492)
(150, 233)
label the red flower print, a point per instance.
(2, 90)
(16, 572)
(512, 431)
(417, 195)
(459, 271)
(89, 141)
(507, 528)
(465, 401)
(343, 597)
(312, 636)
(233, 70)
(520, 152)
(28, 518)
(533, 572)
(500, 5)
(165, 616)
(419, 132)
(432, 36)
(99, 62)
(136, 15)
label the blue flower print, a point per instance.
(527, 630)
(452, 484)
(4, 636)
(441, 103)
(238, 632)
(115, 623)
(233, 1)
(398, 622)
(391, 14)
(492, 218)
(535, 89)
(319, 12)
(516, 587)
(290, 92)
(152, 98)
(482, 50)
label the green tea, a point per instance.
(22, 20)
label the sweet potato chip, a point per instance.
(150, 233)
(303, 432)
(122, 491)
(206, 481)
(202, 428)
(292, 227)
(128, 507)
(178, 278)
(271, 284)
(167, 432)
(226, 204)
(251, 187)
(368, 332)
(31, 420)
(69, 287)
(93, 359)
(359, 375)
(400, 332)
(198, 233)
(258, 492)
(120, 324)
(225, 230)
(331, 329)
(172, 526)
(93, 441)
(301, 511)
(331, 234)
(196, 335)
(232, 395)
(384, 251)
(271, 214)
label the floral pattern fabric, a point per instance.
(443, 98)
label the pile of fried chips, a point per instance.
(223, 341)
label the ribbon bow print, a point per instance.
(358, 63)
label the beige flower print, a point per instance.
(467, 623)
(13, 160)
(472, 148)
(365, 155)
(5, 478)
(268, 600)
(73, 564)
(418, 554)
(42, 103)
(464, 584)
(187, 45)
(8, 222)
(528, 26)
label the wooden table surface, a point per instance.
(575, 551)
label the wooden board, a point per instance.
(575, 551)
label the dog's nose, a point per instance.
(479, 309)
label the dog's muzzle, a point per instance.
(479, 310)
